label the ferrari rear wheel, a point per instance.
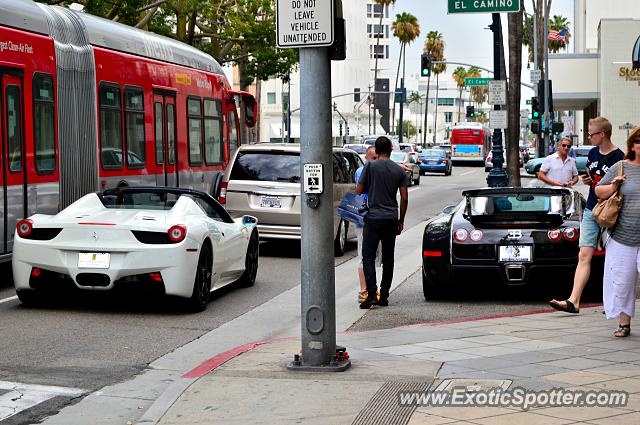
(28, 297)
(202, 284)
(248, 278)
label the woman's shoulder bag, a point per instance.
(606, 210)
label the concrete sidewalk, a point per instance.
(534, 351)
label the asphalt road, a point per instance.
(95, 340)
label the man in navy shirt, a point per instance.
(602, 156)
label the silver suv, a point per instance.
(263, 180)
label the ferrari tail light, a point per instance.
(460, 235)
(156, 277)
(222, 198)
(476, 235)
(178, 232)
(24, 227)
(570, 234)
(36, 272)
(554, 235)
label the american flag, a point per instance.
(557, 35)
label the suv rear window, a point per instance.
(267, 166)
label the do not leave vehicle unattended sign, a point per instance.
(304, 23)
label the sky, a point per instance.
(466, 36)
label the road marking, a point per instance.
(21, 397)
(6, 300)
(414, 188)
(464, 174)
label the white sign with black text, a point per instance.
(304, 23)
(312, 178)
(497, 92)
(498, 119)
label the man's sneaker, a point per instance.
(362, 295)
(368, 303)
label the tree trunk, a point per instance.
(513, 97)
(435, 117)
(256, 136)
(395, 87)
(460, 106)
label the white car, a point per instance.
(180, 241)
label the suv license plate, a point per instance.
(515, 253)
(271, 202)
(93, 260)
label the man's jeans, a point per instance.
(375, 232)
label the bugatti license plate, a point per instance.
(515, 253)
(93, 260)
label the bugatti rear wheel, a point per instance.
(430, 290)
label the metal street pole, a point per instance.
(318, 314)
(401, 125)
(497, 176)
(546, 78)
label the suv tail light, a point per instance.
(570, 234)
(222, 198)
(24, 227)
(554, 235)
(178, 232)
(460, 235)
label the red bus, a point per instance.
(87, 104)
(470, 142)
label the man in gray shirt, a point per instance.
(381, 180)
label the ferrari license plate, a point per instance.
(93, 260)
(271, 202)
(515, 253)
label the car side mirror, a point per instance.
(249, 221)
(448, 209)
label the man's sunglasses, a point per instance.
(593, 134)
(565, 146)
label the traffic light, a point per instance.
(535, 127)
(557, 128)
(425, 65)
(535, 109)
(340, 128)
(471, 111)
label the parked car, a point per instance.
(582, 154)
(263, 180)
(409, 148)
(359, 148)
(411, 166)
(176, 241)
(446, 148)
(435, 161)
(510, 236)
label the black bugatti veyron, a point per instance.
(509, 236)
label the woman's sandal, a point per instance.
(567, 307)
(622, 331)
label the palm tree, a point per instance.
(385, 4)
(515, 27)
(434, 46)
(459, 74)
(406, 28)
(437, 70)
(477, 93)
(415, 97)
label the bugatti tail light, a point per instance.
(24, 227)
(177, 233)
(554, 235)
(476, 235)
(460, 235)
(570, 234)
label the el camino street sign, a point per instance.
(480, 6)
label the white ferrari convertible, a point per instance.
(177, 241)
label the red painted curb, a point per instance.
(217, 361)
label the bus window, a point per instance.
(134, 126)
(158, 132)
(14, 129)
(44, 133)
(233, 133)
(171, 133)
(110, 127)
(213, 148)
(194, 112)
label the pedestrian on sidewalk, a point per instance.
(559, 169)
(601, 157)
(381, 180)
(622, 260)
(370, 155)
